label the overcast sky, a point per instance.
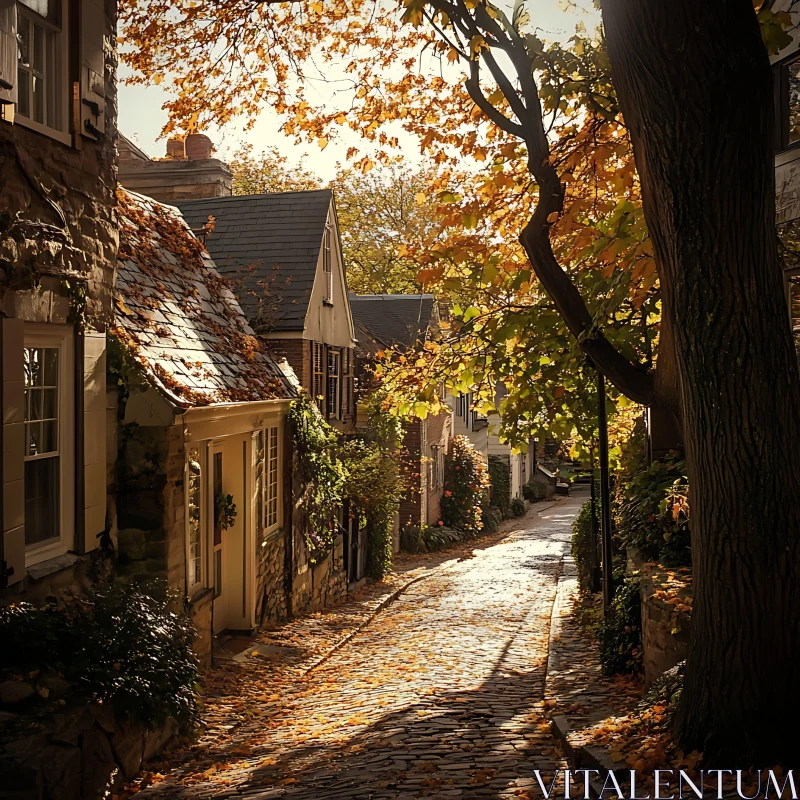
(141, 117)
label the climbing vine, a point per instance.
(321, 474)
(375, 482)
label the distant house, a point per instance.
(283, 254)
(405, 322)
(200, 430)
(483, 432)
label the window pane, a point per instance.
(49, 402)
(38, 48)
(24, 41)
(35, 403)
(41, 500)
(50, 357)
(38, 99)
(23, 93)
(195, 506)
(50, 436)
(34, 438)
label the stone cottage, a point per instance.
(200, 429)
(58, 245)
(405, 322)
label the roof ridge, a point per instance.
(227, 198)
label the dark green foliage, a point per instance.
(321, 474)
(492, 517)
(466, 483)
(583, 544)
(621, 631)
(375, 482)
(412, 539)
(500, 476)
(517, 508)
(652, 512)
(117, 645)
(437, 537)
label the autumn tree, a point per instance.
(381, 213)
(692, 83)
(268, 171)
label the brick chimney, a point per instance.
(198, 147)
(187, 173)
(176, 148)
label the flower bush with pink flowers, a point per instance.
(466, 487)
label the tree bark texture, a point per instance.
(695, 88)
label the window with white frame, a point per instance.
(194, 520)
(49, 467)
(272, 479)
(327, 265)
(347, 382)
(41, 90)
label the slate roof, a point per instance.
(179, 319)
(394, 319)
(268, 245)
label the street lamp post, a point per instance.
(605, 494)
(595, 575)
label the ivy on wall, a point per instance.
(322, 475)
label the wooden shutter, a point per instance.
(93, 99)
(347, 385)
(8, 58)
(94, 438)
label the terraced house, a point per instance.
(58, 245)
(200, 431)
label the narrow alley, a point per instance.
(439, 696)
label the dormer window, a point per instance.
(327, 266)
(787, 104)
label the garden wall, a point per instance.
(74, 755)
(666, 617)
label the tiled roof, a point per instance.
(268, 245)
(394, 319)
(180, 320)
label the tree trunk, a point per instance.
(694, 85)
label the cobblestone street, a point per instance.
(441, 695)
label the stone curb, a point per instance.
(580, 756)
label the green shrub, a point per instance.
(621, 631)
(492, 517)
(652, 512)
(517, 508)
(117, 645)
(412, 539)
(437, 537)
(583, 544)
(466, 484)
(500, 476)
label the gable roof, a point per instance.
(394, 319)
(268, 245)
(180, 320)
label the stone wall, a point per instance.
(57, 205)
(80, 754)
(666, 618)
(271, 591)
(318, 586)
